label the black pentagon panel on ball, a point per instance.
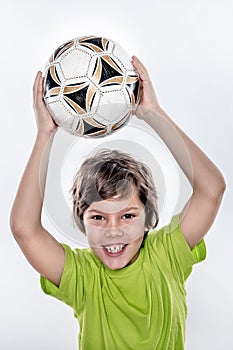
(134, 87)
(61, 49)
(90, 129)
(52, 83)
(79, 97)
(108, 70)
(95, 43)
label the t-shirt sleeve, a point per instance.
(70, 290)
(175, 249)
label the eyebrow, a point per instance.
(123, 210)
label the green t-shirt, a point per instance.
(139, 307)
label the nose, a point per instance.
(113, 227)
(113, 232)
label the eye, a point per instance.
(128, 216)
(97, 217)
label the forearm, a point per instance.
(201, 172)
(27, 207)
(207, 182)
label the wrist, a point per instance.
(152, 113)
(45, 134)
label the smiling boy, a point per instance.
(114, 204)
(128, 290)
(114, 229)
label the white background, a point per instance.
(187, 48)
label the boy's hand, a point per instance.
(44, 120)
(148, 100)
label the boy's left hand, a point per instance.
(148, 98)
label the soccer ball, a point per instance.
(90, 86)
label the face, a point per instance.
(115, 229)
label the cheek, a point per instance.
(90, 234)
(94, 236)
(136, 232)
(97, 251)
(139, 242)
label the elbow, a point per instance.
(221, 186)
(217, 190)
(212, 190)
(19, 228)
(16, 227)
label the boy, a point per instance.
(128, 291)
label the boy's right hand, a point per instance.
(44, 120)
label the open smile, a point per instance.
(114, 249)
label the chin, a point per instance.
(113, 265)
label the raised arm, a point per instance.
(41, 249)
(207, 181)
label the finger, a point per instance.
(141, 69)
(39, 90)
(36, 87)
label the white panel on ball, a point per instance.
(123, 56)
(75, 63)
(112, 106)
(60, 111)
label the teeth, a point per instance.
(114, 249)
